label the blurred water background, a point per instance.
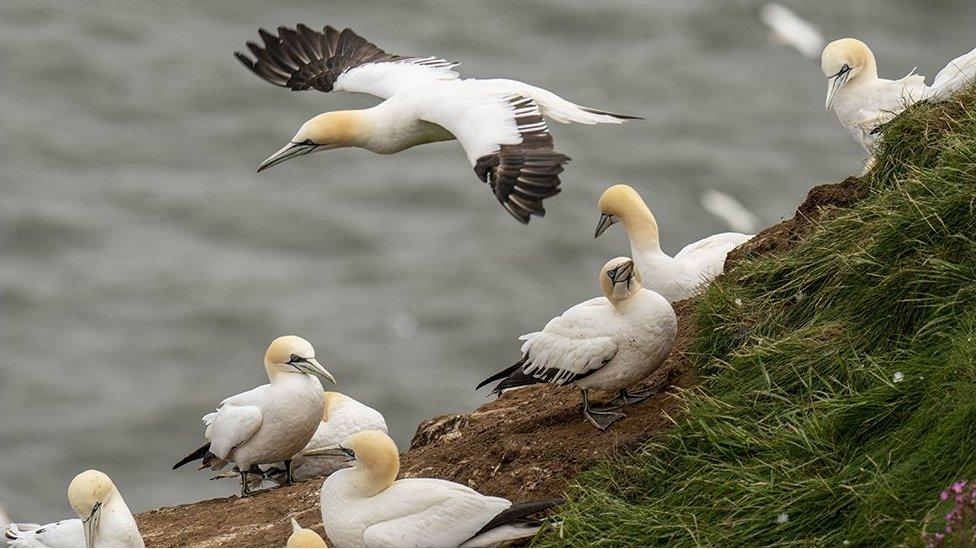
(144, 266)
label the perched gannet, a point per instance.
(103, 520)
(863, 102)
(365, 506)
(303, 537)
(788, 28)
(500, 123)
(609, 343)
(273, 422)
(680, 277)
(343, 417)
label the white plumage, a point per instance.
(99, 505)
(863, 102)
(270, 423)
(725, 207)
(686, 274)
(364, 506)
(789, 29)
(500, 123)
(610, 342)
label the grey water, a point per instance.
(144, 266)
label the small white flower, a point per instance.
(898, 377)
(738, 302)
(782, 518)
(847, 542)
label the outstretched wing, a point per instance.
(302, 58)
(572, 345)
(506, 140)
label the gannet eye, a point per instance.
(347, 451)
(612, 273)
(295, 358)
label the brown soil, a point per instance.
(528, 444)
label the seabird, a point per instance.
(104, 520)
(789, 29)
(609, 343)
(365, 506)
(270, 423)
(303, 537)
(863, 102)
(500, 123)
(686, 274)
(343, 416)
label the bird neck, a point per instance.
(371, 479)
(641, 228)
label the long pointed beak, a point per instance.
(335, 450)
(834, 85)
(90, 524)
(289, 151)
(605, 221)
(316, 369)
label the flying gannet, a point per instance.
(500, 123)
(789, 29)
(686, 274)
(343, 417)
(303, 537)
(103, 520)
(365, 506)
(610, 343)
(270, 423)
(863, 102)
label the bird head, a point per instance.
(303, 537)
(330, 130)
(843, 61)
(620, 279)
(87, 494)
(292, 354)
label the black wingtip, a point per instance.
(199, 453)
(613, 114)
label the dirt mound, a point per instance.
(528, 444)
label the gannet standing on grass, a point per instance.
(104, 520)
(863, 102)
(500, 123)
(303, 537)
(610, 343)
(271, 423)
(686, 274)
(365, 506)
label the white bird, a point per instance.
(725, 207)
(270, 423)
(4, 517)
(104, 520)
(863, 102)
(789, 29)
(303, 537)
(686, 274)
(343, 417)
(365, 506)
(609, 343)
(500, 123)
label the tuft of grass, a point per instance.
(837, 380)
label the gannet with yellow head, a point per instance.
(610, 342)
(303, 537)
(501, 124)
(104, 520)
(686, 274)
(365, 506)
(270, 423)
(863, 102)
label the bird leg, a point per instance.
(289, 474)
(626, 398)
(601, 419)
(245, 489)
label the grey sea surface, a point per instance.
(144, 266)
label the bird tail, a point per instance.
(199, 453)
(512, 523)
(510, 377)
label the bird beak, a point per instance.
(90, 524)
(605, 221)
(834, 84)
(335, 451)
(624, 273)
(312, 366)
(289, 151)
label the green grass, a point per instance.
(798, 415)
